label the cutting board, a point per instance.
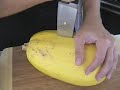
(26, 77)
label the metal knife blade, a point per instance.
(66, 18)
(70, 17)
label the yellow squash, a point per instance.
(55, 56)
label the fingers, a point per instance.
(100, 56)
(114, 64)
(105, 53)
(79, 50)
(108, 63)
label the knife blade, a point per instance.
(69, 17)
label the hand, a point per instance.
(106, 52)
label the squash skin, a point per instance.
(55, 56)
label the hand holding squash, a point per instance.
(106, 54)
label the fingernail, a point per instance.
(78, 62)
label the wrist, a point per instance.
(92, 11)
(92, 18)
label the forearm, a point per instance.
(9, 7)
(92, 11)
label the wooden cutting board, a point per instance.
(26, 77)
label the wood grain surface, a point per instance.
(26, 77)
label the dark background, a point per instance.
(17, 29)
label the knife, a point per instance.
(70, 17)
